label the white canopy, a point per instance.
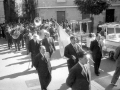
(81, 21)
(111, 25)
(85, 20)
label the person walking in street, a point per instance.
(49, 44)
(3, 30)
(16, 39)
(43, 68)
(117, 70)
(79, 76)
(27, 38)
(52, 32)
(71, 51)
(96, 50)
(33, 47)
(9, 39)
(22, 37)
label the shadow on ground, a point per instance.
(11, 57)
(4, 47)
(24, 52)
(110, 87)
(63, 87)
(25, 58)
(5, 51)
(56, 55)
(106, 66)
(23, 62)
(26, 72)
(59, 66)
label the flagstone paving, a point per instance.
(16, 75)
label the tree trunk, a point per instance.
(7, 10)
(91, 24)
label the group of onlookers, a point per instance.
(18, 33)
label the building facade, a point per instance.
(66, 10)
(2, 16)
(58, 9)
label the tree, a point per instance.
(13, 14)
(92, 7)
(9, 11)
(30, 10)
(26, 10)
(6, 10)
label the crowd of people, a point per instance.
(39, 42)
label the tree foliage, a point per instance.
(11, 11)
(92, 6)
(29, 10)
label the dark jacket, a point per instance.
(34, 47)
(69, 51)
(96, 49)
(117, 56)
(44, 72)
(8, 36)
(52, 31)
(77, 78)
(41, 63)
(49, 45)
(26, 38)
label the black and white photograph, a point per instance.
(59, 44)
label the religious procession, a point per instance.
(59, 45)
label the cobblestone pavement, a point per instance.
(15, 75)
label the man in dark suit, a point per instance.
(79, 76)
(9, 39)
(49, 43)
(71, 51)
(117, 70)
(33, 47)
(52, 32)
(43, 68)
(99, 28)
(27, 38)
(96, 50)
(16, 38)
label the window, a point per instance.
(110, 30)
(117, 30)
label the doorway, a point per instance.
(110, 15)
(90, 24)
(60, 16)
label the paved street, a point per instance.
(15, 75)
